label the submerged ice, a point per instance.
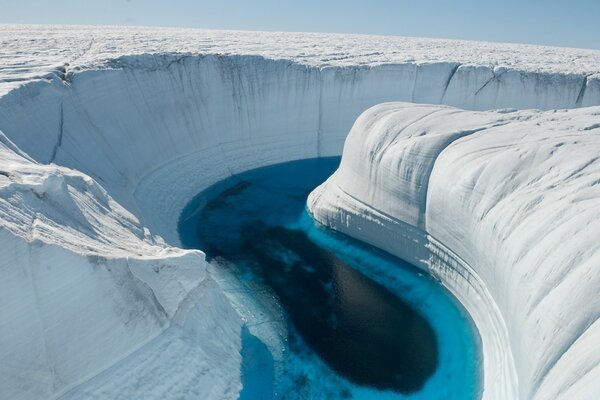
(409, 337)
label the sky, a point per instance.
(570, 23)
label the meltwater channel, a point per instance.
(355, 321)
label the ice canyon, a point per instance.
(479, 163)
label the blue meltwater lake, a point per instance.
(328, 317)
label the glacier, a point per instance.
(107, 133)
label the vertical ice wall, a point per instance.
(155, 130)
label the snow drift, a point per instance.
(110, 132)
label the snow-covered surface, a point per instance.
(504, 207)
(140, 120)
(31, 50)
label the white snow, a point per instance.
(114, 130)
(503, 207)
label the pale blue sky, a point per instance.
(573, 23)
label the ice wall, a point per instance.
(503, 208)
(156, 129)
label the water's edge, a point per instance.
(385, 268)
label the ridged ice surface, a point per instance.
(513, 197)
(107, 133)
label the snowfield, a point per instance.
(107, 133)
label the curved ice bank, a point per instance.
(504, 208)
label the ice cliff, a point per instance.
(503, 208)
(109, 132)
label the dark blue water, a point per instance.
(361, 323)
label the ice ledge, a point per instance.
(84, 286)
(504, 215)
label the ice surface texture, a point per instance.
(141, 120)
(504, 208)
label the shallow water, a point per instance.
(360, 323)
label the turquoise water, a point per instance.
(359, 322)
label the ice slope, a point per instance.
(114, 130)
(84, 285)
(503, 207)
